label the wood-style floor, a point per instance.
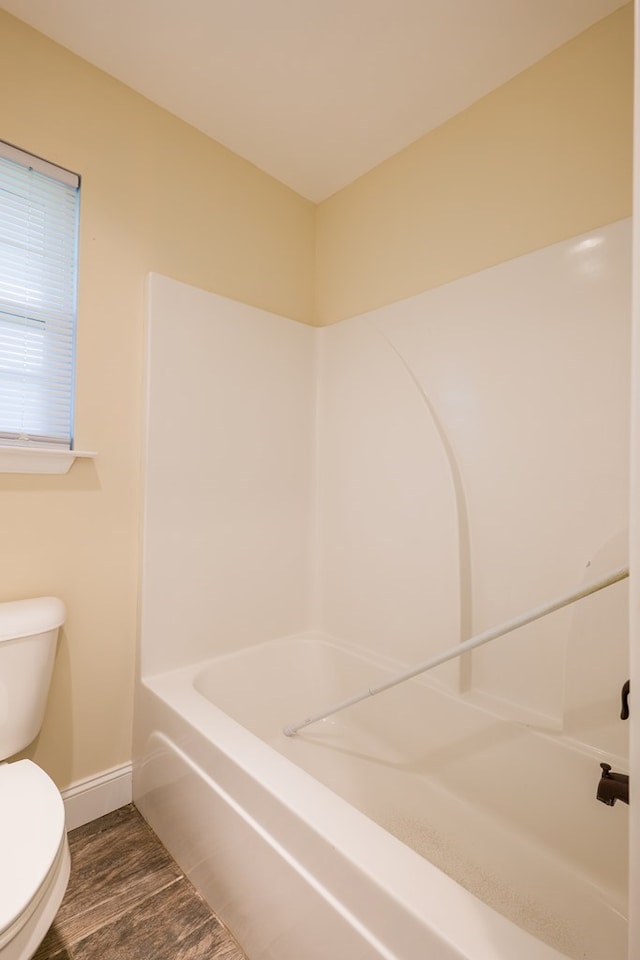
(128, 899)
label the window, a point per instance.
(38, 279)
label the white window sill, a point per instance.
(35, 460)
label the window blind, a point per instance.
(38, 278)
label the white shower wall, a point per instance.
(230, 423)
(526, 368)
(387, 530)
(402, 479)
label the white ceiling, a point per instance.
(315, 92)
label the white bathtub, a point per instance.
(412, 826)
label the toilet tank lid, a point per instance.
(23, 618)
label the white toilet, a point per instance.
(34, 853)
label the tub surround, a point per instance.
(525, 366)
(403, 480)
(228, 462)
(394, 482)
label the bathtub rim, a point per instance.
(498, 709)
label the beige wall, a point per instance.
(545, 157)
(542, 158)
(156, 195)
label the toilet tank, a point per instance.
(28, 633)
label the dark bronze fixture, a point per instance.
(624, 712)
(612, 786)
(615, 786)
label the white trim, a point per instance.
(92, 798)
(14, 459)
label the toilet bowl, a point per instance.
(34, 852)
(34, 863)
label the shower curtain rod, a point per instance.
(291, 729)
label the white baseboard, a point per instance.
(92, 798)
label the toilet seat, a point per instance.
(34, 860)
